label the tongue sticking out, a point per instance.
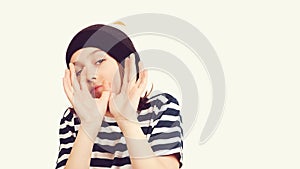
(97, 91)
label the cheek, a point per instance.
(116, 81)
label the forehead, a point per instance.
(86, 54)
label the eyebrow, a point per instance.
(95, 51)
(77, 64)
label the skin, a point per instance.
(118, 97)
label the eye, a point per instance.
(99, 61)
(78, 73)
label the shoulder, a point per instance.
(161, 104)
(69, 125)
(70, 117)
(163, 98)
(67, 115)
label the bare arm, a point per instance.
(90, 112)
(80, 155)
(133, 130)
(123, 106)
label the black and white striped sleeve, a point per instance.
(166, 136)
(67, 135)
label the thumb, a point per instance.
(111, 99)
(105, 96)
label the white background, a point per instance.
(258, 46)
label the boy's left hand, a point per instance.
(123, 106)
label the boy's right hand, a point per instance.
(90, 110)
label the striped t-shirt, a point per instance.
(161, 123)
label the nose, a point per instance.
(91, 74)
(92, 79)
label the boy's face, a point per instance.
(102, 70)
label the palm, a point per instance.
(87, 108)
(123, 106)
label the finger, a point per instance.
(103, 101)
(105, 96)
(68, 90)
(144, 80)
(68, 80)
(74, 81)
(106, 85)
(112, 102)
(143, 77)
(132, 80)
(126, 75)
(132, 68)
(68, 93)
(82, 81)
(140, 74)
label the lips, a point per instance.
(97, 90)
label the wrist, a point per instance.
(131, 129)
(126, 118)
(91, 128)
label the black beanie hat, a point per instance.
(106, 38)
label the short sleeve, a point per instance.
(67, 135)
(166, 136)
